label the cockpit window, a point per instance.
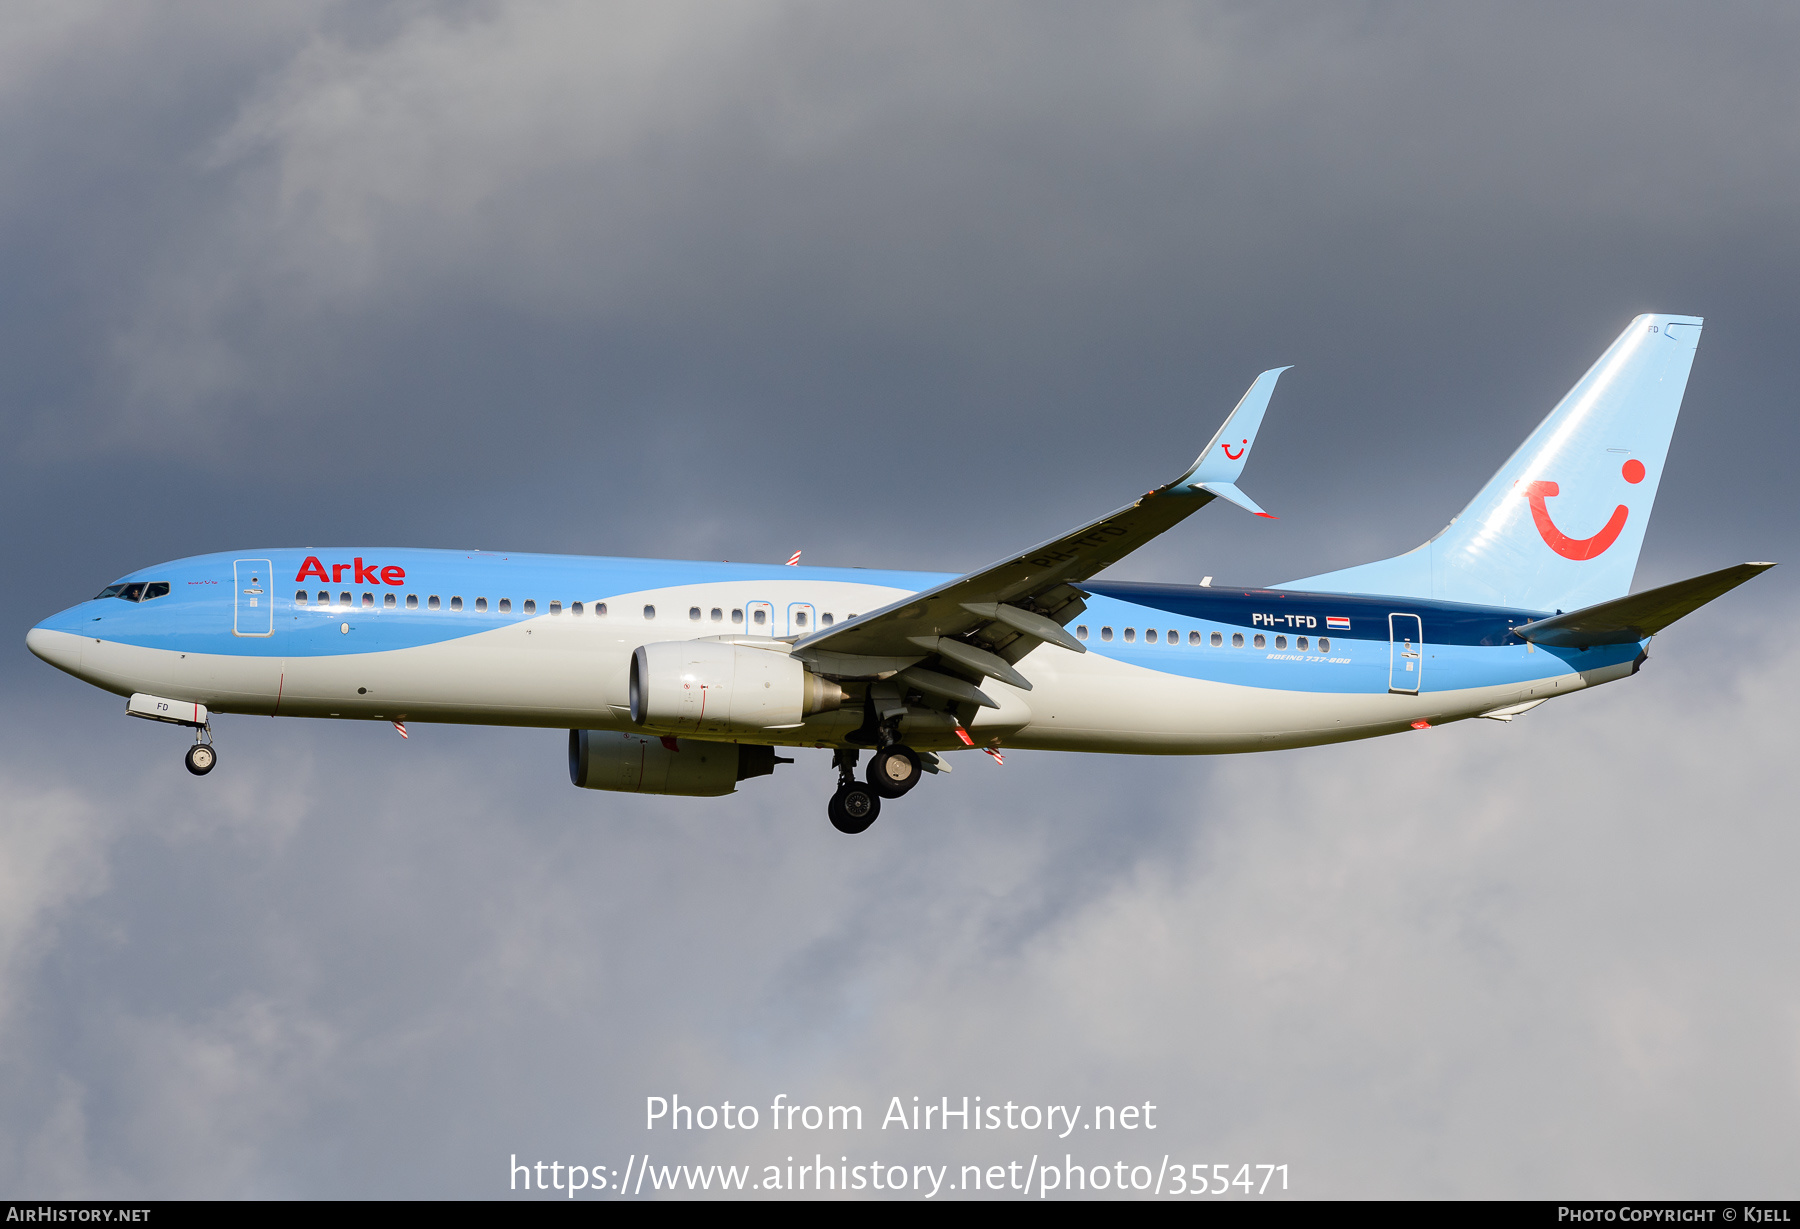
(136, 591)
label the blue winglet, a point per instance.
(1216, 469)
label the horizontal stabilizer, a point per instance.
(1627, 619)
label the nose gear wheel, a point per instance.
(201, 758)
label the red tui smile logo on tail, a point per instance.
(1579, 548)
(1243, 444)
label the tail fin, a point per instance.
(1560, 526)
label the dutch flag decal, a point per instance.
(1337, 623)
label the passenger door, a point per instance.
(253, 598)
(801, 619)
(1406, 657)
(759, 618)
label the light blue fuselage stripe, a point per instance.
(1463, 646)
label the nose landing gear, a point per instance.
(201, 757)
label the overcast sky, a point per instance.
(905, 285)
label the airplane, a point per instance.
(685, 678)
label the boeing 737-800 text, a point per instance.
(684, 678)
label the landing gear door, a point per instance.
(801, 620)
(253, 598)
(759, 618)
(1406, 657)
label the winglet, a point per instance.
(1216, 469)
(1228, 492)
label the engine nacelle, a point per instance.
(711, 687)
(647, 764)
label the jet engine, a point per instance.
(647, 764)
(712, 687)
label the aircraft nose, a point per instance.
(60, 649)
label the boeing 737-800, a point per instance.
(685, 677)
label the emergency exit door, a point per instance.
(253, 596)
(1406, 656)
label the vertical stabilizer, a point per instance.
(1560, 526)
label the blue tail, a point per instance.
(1560, 526)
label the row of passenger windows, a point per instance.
(1217, 639)
(759, 616)
(391, 601)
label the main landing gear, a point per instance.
(893, 770)
(201, 757)
(855, 806)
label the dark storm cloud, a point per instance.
(904, 286)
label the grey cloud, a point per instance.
(1479, 961)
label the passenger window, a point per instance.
(530, 605)
(649, 612)
(506, 605)
(1081, 631)
(1150, 635)
(300, 598)
(158, 588)
(1130, 634)
(799, 618)
(1237, 640)
(324, 598)
(693, 614)
(1281, 642)
(1174, 636)
(717, 616)
(1260, 641)
(431, 603)
(555, 608)
(1106, 633)
(1324, 645)
(368, 601)
(389, 601)
(761, 617)
(1301, 644)
(481, 604)
(1194, 638)
(456, 603)
(737, 616)
(826, 619)
(1217, 640)
(412, 601)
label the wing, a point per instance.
(977, 626)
